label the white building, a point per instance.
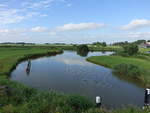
(145, 45)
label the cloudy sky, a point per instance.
(74, 21)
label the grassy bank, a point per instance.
(21, 99)
(143, 50)
(11, 56)
(111, 61)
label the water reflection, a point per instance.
(82, 53)
(28, 68)
(103, 52)
(71, 73)
(72, 61)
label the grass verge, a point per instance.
(112, 61)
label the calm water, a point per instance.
(71, 73)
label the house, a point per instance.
(145, 45)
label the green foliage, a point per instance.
(82, 50)
(127, 70)
(131, 49)
(120, 43)
(139, 42)
(79, 103)
(103, 44)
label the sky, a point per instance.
(74, 21)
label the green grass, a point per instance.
(22, 99)
(66, 46)
(111, 61)
(10, 56)
(143, 50)
(100, 48)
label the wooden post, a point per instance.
(28, 67)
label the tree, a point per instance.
(82, 50)
(131, 49)
(139, 42)
(100, 44)
(104, 44)
(121, 43)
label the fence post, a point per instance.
(98, 101)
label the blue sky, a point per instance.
(74, 21)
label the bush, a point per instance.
(104, 44)
(82, 50)
(121, 53)
(79, 103)
(127, 70)
(131, 49)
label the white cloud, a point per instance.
(40, 4)
(39, 29)
(78, 27)
(71, 61)
(52, 36)
(4, 30)
(6, 34)
(37, 5)
(52, 33)
(43, 15)
(3, 5)
(24, 10)
(10, 16)
(135, 24)
(69, 5)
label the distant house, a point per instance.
(145, 45)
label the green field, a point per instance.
(64, 46)
(100, 48)
(111, 61)
(22, 99)
(10, 56)
(143, 50)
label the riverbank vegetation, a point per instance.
(22, 99)
(17, 98)
(130, 61)
(82, 50)
(112, 61)
(128, 70)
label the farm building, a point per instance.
(145, 45)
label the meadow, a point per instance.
(141, 60)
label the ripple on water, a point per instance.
(70, 73)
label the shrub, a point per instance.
(79, 103)
(121, 53)
(104, 44)
(82, 50)
(131, 49)
(128, 70)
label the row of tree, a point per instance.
(126, 42)
(103, 44)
